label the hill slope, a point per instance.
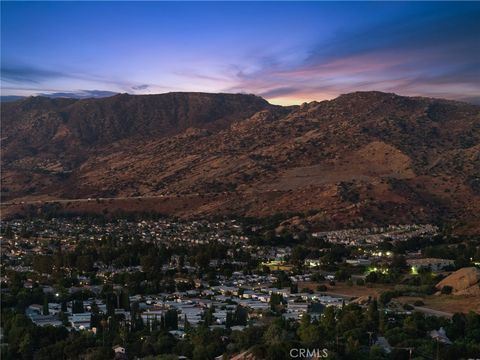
(362, 158)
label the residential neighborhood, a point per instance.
(116, 278)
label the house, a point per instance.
(313, 262)
(45, 320)
(34, 309)
(433, 264)
(295, 316)
(440, 336)
(213, 327)
(316, 310)
(118, 349)
(80, 321)
(179, 334)
(54, 308)
(152, 315)
(293, 306)
(237, 328)
(120, 353)
(382, 342)
(358, 262)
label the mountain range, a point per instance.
(362, 159)
(82, 94)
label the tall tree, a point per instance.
(45, 305)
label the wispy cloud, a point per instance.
(140, 87)
(426, 55)
(81, 94)
(427, 50)
(28, 74)
(38, 80)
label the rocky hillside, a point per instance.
(41, 125)
(465, 281)
(362, 158)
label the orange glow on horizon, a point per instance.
(299, 99)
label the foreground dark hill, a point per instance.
(360, 159)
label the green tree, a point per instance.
(171, 319)
(45, 305)
(373, 315)
(352, 348)
(186, 324)
(240, 316)
(63, 317)
(398, 264)
(229, 320)
(95, 317)
(310, 334)
(26, 346)
(209, 317)
(328, 321)
(125, 301)
(77, 307)
(275, 301)
(276, 333)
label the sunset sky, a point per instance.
(286, 52)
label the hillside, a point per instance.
(363, 158)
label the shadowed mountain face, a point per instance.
(360, 159)
(64, 123)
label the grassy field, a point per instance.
(446, 303)
(341, 288)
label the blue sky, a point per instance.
(287, 52)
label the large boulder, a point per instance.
(462, 280)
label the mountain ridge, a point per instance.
(362, 158)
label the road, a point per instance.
(64, 201)
(432, 312)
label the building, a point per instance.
(440, 336)
(358, 262)
(120, 353)
(433, 264)
(80, 321)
